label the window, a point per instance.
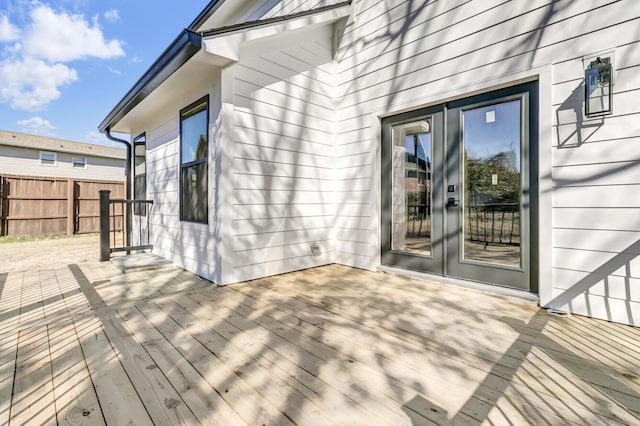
(194, 134)
(140, 174)
(80, 162)
(48, 158)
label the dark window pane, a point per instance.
(140, 193)
(194, 192)
(193, 152)
(140, 158)
(140, 178)
(411, 192)
(194, 136)
(47, 158)
(493, 183)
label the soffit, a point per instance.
(199, 72)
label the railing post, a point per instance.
(104, 225)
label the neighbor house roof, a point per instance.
(42, 143)
(183, 48)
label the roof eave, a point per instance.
(211, 8)
(183, 48)
(274, 20)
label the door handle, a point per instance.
(452, 202)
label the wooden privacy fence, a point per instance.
(38, 205)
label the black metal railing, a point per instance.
(116, 233)
(494, 223)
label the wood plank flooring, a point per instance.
(330, 345)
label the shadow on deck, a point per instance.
(322, 346)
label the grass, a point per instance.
(28, 238)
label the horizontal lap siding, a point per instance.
(287, 7)
(26, 162)
(596, 225)
(283, 157)
(395, 54)
(189, 245)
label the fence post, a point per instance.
(104, 225)
(71, 211)
(3, 213)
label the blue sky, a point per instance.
(64, 64)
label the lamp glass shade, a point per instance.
(598, 88)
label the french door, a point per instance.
(459, 191)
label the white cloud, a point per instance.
(135, 60)
(35, 68)
(60, 37)
(30, 84)
(114, 71)
(37, 126)
(112, 15)
(8, 31)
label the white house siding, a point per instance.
(596, 215)
(236, 12)
(193, 246)
(26, 162)
(287, 7)
(282, 155)
(397, 55)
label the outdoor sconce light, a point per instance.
(598, 88)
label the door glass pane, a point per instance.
(492, 183)
(411, 190)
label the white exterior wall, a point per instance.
(193, 246)
(287, 7)
(280, 155)
(26, 162)
(390, 60)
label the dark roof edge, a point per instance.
(177, 54)
(274, 20)
(187, 44)
(183, 48)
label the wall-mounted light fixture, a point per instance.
(598, 88)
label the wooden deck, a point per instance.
(331, 345)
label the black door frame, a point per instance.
(429, 264)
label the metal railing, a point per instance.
(116, 228)
(494, 223)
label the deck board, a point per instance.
(203, 349)
(199, 396)
(75, 398)
(163, 403)
(414, 354)
(328, 345)
(119, 401)
(33, 387)
(262, 368)
(259, 337)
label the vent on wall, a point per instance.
(315, 249)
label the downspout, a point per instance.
(127, 166)
(127, 171)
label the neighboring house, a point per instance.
(287, 134)
(50, 186)
(30, 155)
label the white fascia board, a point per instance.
(227, 45)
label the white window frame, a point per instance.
(55, 159)
(84, 162)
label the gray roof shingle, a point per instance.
(59, 145)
